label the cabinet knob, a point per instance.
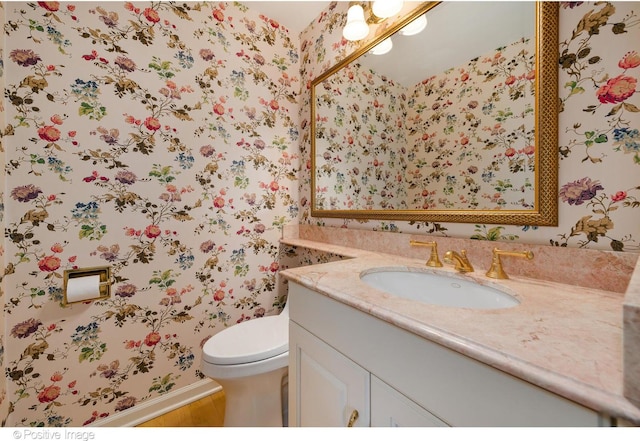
(353, 418)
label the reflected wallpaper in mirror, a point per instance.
(462, 139)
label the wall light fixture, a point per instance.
(357, 26)
(415, 27)
(383, 47)
(386, 8)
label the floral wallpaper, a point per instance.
(463, 139)
(160, 138)
(359, 124)
(471, 134)
(599, 131)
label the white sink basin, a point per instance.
(437, 289)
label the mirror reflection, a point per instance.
(445, 120)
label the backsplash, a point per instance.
(606, 270)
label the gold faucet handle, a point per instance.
(467, 267)
(497, 271)
(434, 260)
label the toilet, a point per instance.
(250, 361)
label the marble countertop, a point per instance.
(564, 338)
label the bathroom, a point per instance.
(170, 142)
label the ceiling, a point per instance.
(294, 15)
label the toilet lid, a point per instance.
(249, 341)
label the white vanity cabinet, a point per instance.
(331, 390)
(342, 359)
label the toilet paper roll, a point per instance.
(80, 289)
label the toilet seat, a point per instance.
(248, 342)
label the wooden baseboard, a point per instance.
(158, 406)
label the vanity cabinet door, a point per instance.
(326, 388)
(390, 408)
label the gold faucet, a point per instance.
(461, 261)
(496, 271)
(433, 261)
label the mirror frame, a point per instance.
(547, 107)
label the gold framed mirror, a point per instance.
(382, 148)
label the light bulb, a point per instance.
(386, 8)
(382, 48)
(356, 27)
(415, 27)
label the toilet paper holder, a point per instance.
(103, 287)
